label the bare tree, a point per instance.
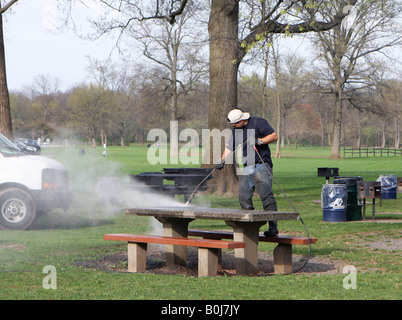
(390, 98)
(323, 105)
(303, 123)
(5, 113)
(44, 91)
(348, 50)
(277, 75)
(89, 108)
(175, 47)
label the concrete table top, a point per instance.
(193, 212)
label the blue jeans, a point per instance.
(260, 180)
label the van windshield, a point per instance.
(9, 149)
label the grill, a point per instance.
(328, 172)
(368, 190)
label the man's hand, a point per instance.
(255, 141)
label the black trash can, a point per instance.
(354, 207)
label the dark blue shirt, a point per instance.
(261, 129)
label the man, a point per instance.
(255, 176)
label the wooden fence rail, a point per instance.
(375, 152)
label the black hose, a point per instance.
(291, 204)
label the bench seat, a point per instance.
(282, 253)
(208, 250)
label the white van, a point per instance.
(29, 186)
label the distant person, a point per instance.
(255, 176)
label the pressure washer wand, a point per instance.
(192, 195)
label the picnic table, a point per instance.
(245, 224)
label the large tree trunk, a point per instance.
(358, 130)
(223, 66)
(278, 124)
(383, 137)
(5, 113)
(174, 124)
(336, 140)
(397, 134)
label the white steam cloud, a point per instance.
(131, 194)
(101, 189)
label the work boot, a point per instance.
(272, 230)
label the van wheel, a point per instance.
(17, 209)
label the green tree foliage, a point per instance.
(90, 109)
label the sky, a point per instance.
(34, 47)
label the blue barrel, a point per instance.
(388, 186)
(334, 198)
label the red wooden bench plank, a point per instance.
(287, 239)
(210, 234)
(284, 239)
(203, 243)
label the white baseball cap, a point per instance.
(237, 115)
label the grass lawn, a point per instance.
(63, 239)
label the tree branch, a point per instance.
(174, 14)
(273, 26)
(7, 6)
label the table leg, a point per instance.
(248, 232)
(373, 209)
(175, 227)
(364, 208)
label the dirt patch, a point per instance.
(376, 220)
(387, 244)
(15, 246)
(381, 243)
(156, 264)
